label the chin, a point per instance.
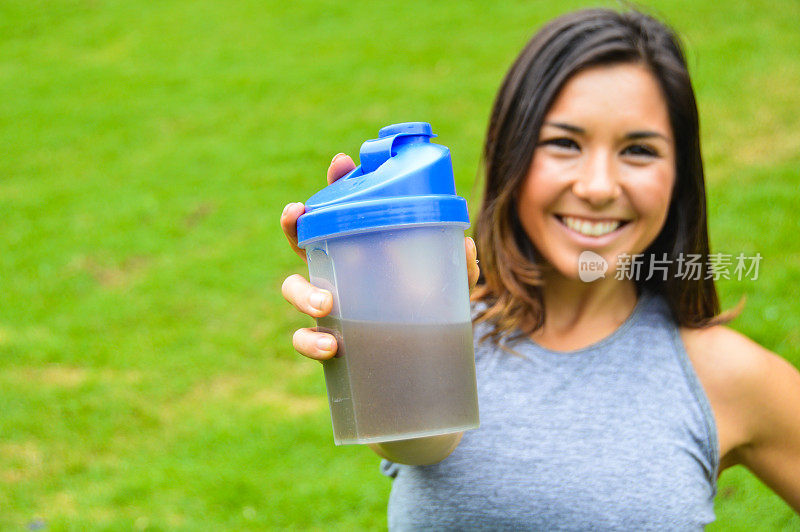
(567, 268)
(567, 265)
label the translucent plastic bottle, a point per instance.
(387, 240)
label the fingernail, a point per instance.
(336, 157)
(286, 208)
(473, 242)
(325, 344)
(316, 300)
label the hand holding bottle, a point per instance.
(316, 302)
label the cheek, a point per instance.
(547, 171)
(541, 186)
(651, 197)
(533, 199)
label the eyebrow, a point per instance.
(633, 135)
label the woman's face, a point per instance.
(603, 169)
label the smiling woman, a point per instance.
(603, 170)
(616, 126)
(627, 397)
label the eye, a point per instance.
(640, 150)
(562, 143)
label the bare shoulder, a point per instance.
(731, 360)
(752, 390)
(732, 354)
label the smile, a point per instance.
(591, 228)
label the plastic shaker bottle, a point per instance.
(387, 240)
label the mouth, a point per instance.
(592, 228)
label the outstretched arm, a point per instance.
(418, 451)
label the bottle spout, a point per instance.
(375, 152)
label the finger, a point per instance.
(473, 271)
(341, 165)
(317, 345)
(289, 225)
(306, 297)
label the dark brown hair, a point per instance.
(511, 280)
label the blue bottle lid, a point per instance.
(403, 180)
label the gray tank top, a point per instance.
(618, 435)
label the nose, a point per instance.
(597, 183)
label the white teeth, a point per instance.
(588, 228)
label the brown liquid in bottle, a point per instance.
(400, 380)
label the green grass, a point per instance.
(147, 379)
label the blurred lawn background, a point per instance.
(147, 379)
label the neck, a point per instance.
(572, 304)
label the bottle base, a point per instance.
(404, 436)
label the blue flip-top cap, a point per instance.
(403, 180)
